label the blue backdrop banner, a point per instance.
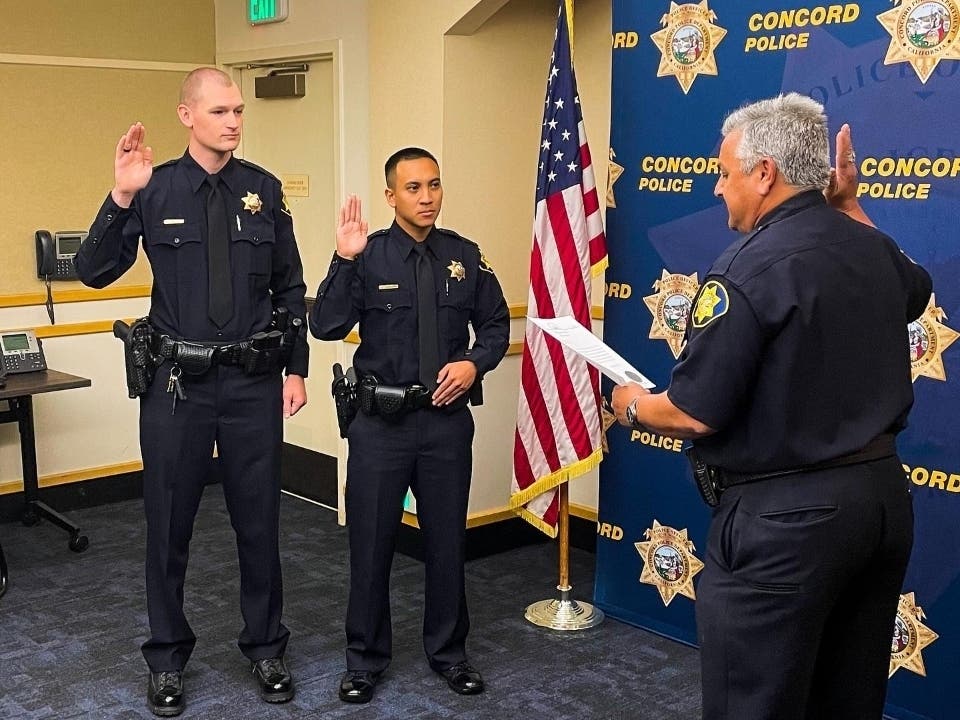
(891, 70)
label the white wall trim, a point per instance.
(103, 63)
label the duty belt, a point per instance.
(375, 398)
(199, 355)
(880, 447)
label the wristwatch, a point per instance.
(631, 412)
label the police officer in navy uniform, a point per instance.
(183, 415)
(426, 445)
(793, 383)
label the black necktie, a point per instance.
(220, 290)
(427, 319)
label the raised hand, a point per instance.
(351, 229)
(841, 192)
(132, 165)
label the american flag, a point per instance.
(559, 431)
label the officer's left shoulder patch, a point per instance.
(485, 264)
(713, 302)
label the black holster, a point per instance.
(290, 328)
(344, 391)
(705, 476)
(139, 360)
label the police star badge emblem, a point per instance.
(614, 171)
(668, 562)
(485, 264)
(910, 636)
(670, 307)
(928, 339)
(252, 202)
(922, 33)
(687, 42)
(712, 303)
(457, 270)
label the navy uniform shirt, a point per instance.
(797, 349)
(169, 214)
(378, 289)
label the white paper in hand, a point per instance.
(584, 343)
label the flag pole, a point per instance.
(564, 613)
(562, 184)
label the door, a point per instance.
(295, 139)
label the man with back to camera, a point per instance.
(415, 290)
(793, 410)
(227, 285)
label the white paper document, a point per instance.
(584, 343)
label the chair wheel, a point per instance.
(79, 543)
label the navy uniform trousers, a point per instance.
(797, 600)
(431, 452)
(243, 414)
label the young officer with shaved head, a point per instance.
(226, 317)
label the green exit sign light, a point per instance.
(266, 11)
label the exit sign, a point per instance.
(266, 11)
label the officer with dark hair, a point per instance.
(228, 297)
(793, 410)
(416, 290)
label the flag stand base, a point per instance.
(564, 614)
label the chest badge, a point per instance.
(252, 202)
(457, 270)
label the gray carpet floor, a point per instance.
(71, 626)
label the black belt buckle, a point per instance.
(418, 397)
(706, 477)
(228, 354)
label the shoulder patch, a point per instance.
(712, 302)
(254, 166)
(485, 264)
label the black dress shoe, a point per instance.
(165, 693)
(356, 686)
(463, 678)
(273, 680)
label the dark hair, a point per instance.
(408, 153)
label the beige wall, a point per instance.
(464, 78)
(75, 75)
(68, 96)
